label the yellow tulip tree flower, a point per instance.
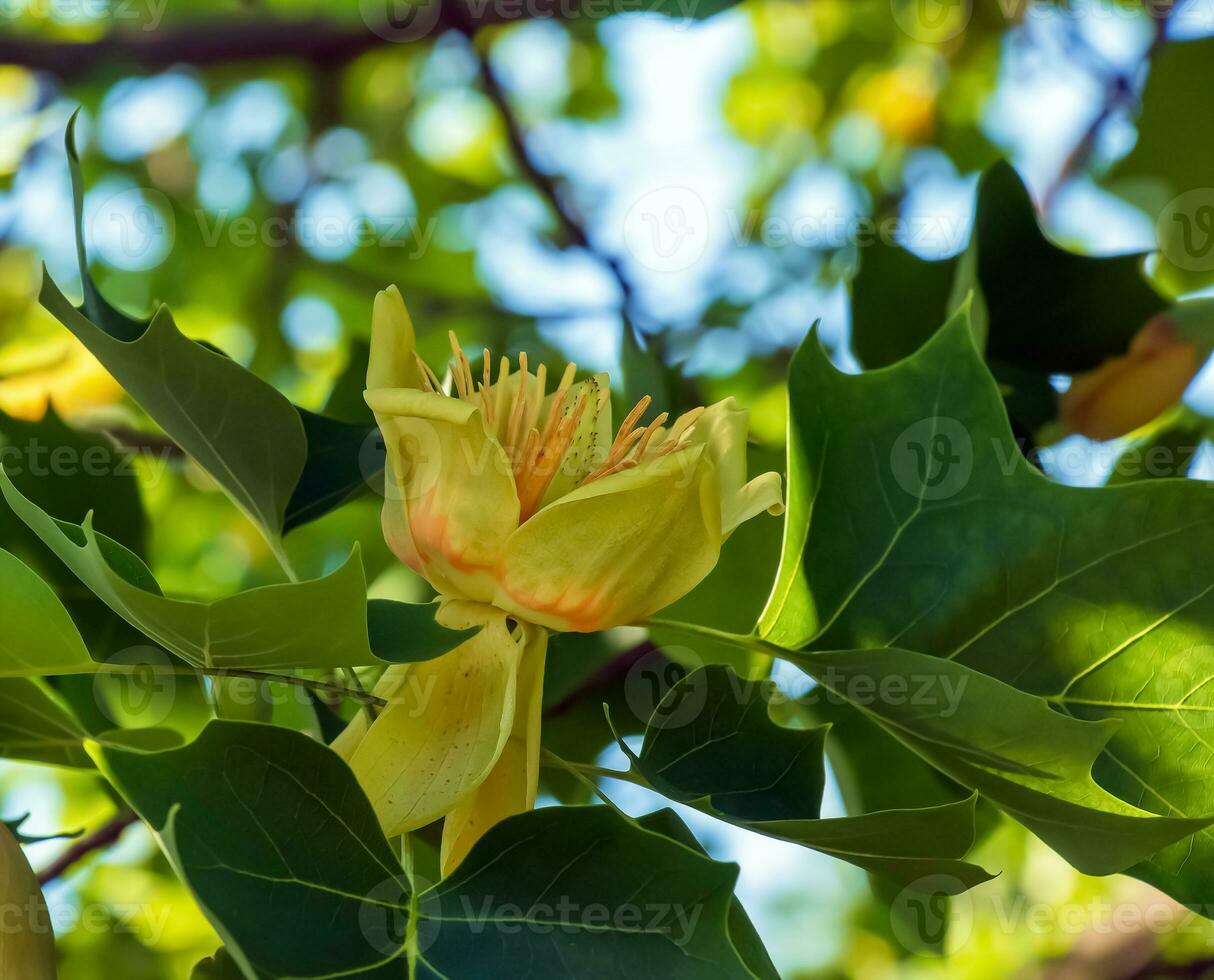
(1125, 393)
(527, 515)
(27, 945)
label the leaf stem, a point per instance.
(743, 641)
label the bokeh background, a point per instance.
(707, 180)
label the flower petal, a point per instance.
(618, 549)
(393, 362)
(512, 785)
(445, 727)
(723, 430)
(450, 503)
(763, 493)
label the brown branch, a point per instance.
(1119, 93)
(98, 840)
(571, 222)
(318, 41)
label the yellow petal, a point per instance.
(445, 727)
(618, 549)
(763, 493)
(450, 503)
(27, 945)
(393, 363)
(723, 431)
(511, 787)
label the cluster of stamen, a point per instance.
(536, 450)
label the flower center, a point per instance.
(536, 429)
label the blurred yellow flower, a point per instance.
(41, 363)
(59, 371)
(1127, 392)
(901, 100)
(27, 945)
(526, 514)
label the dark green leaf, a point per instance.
(929, 531)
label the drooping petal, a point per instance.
(723, 431)
(445, 726)
(451, 501)
(764, 493)
(617, 549)
(512, 785)
(27, 944)
(393, 362)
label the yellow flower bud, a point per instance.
(1127, 392)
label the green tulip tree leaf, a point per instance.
(712, 743)
(915, 523)
(282, 850)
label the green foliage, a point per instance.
(924, 452)
(554, 891)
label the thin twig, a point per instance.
(1120, 92)
(571, 222)
(98, 840)
(256, 675)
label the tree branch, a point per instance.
(571, 223)
(1120, 92)
(98, 840)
